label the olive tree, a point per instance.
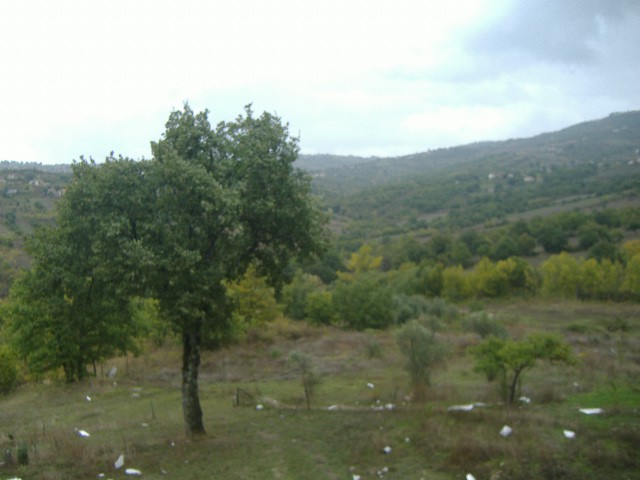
(505, 360)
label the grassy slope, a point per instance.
(285, 441)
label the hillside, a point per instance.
(471, 184)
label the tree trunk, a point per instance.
(514, 385)
(190, 398)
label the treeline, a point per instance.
(366, 296)
(598, 234)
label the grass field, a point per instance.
(138, 413)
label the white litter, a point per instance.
(119, 463)
(259, 407)
(144, 425)
(357, 477)
(83, 433)
(569, 433)
(332, 408)
(525, 400)
(506, 431)
(461, 408)
(591, 411)
(387, 449)
(470, 477)
(407, 439)
(133, 471)
(101, 475)
(370, 385)
(390, 406)
(88, 398)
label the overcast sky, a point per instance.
(370, 77)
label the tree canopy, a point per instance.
(181, 226)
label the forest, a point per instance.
(386, 299)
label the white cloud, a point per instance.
(376, 77)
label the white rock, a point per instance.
(133, 471)
(591, 411)
(569, 433)
(407, 439)
(387, 449)
(370, 385)
(506, 431)
(119, 463)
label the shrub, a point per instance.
(8, 370)
(319, 308)
(422, 352)
(484, 325)
(303, 364)
(364, 302)
(22, 455)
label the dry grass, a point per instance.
(139, 416)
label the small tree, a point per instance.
(506, 360)
(303, 364)
(422, 351)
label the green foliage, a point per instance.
(506, 360)
(294, 295)
(422, 352)
(364, 302)
(63, 313)
(484, 324)
(253, 299)
(8, 370)
(560, 276)
(22, 454)
(319, 308)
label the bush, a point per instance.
(364, 302)
(8, 370)
(319, 308)
(484, 325)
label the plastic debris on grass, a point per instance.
(119, 463)
(591, 411)
(470, 477)
(259, 407)
(83, 433)
(461, 408)
(506, 431)
(387, 449)
(569, 433)
(525, 400)
(133, 471)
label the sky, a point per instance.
(369, 78)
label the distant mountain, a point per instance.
(617, 135)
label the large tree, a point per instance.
(211, 202)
